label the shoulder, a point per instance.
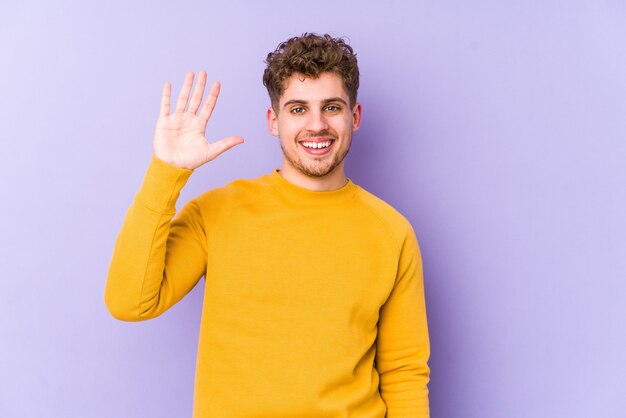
(237, 192)
(399, 226)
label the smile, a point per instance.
(317, 148)
(316, 144)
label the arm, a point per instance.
(157, 260)
(403, 346)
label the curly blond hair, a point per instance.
(310, 55)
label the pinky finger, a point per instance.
(165, 99)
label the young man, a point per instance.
(313, 301)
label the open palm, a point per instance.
(179, 138)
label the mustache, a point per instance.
(324, 132)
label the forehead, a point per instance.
(299, 87)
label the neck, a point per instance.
(334, 180)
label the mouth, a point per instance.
(317, 146)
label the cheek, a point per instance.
(289, 128)
(343, 126)
(286, 133)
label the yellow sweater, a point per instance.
(313, 302)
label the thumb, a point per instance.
(224, 144)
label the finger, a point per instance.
(198, 92)
(209, 103)
(223, 145)
(183, 96)
(165, 99)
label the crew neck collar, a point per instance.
(305, 195)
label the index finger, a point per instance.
(209, 103)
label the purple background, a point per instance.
(497, 129)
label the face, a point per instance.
(314, 122)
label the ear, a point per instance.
(272, 121)
(356, 117)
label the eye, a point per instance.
(332, 108)
(297, 110)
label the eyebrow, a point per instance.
(332, 99)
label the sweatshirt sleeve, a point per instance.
(403, 346)
(156, 260)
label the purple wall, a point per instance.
(498, 130)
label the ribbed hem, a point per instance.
(162, 185)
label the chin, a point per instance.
(317, 172)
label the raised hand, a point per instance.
(179, 137)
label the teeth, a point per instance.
(316, 144)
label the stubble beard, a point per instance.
(318, 168)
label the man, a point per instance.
(313, 302)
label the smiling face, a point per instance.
(314, 122)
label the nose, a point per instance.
(316, 121)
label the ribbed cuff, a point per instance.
(162, 185)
